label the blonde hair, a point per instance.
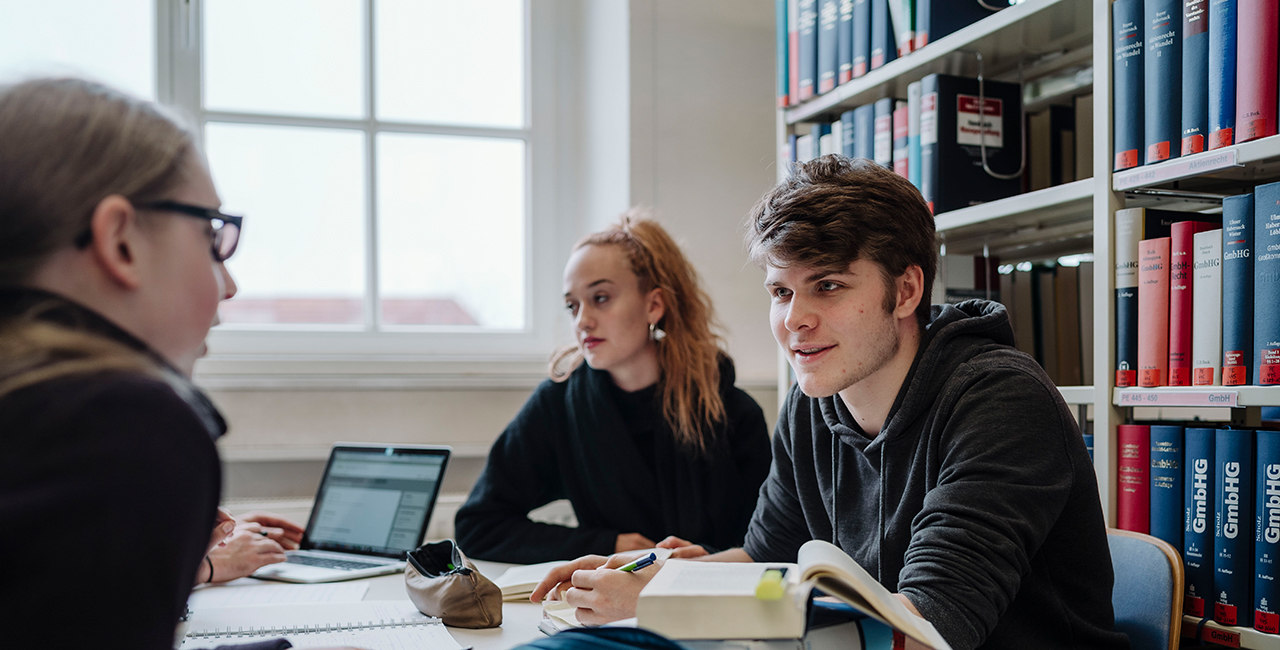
(66, 145)
(689, 356)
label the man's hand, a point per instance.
(682, 549)
(280, 530)
(223, 525)
(631, 542)
(245, 552)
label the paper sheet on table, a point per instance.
(425, 637)
(274, 594)
(368, 613)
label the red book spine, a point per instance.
(1133, 467)
(1256, 68)
(1181, 252)
(1153, 312)
(901, 131)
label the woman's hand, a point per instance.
(280, 530)
(631, 542)
(594, 585)
(682, 549)
(244, 552)
(223, 525)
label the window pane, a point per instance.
(448, 62)
(112, 42)
(302, 254)
(451, 230)
(299, 57)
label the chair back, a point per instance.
(1147, 596)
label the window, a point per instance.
(383, 152)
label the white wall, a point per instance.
(662, 103)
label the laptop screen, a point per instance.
(377, 500)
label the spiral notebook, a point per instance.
(378, 625)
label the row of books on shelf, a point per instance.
(1197, 295)
(1214, 495)
(956, 151)
(1191, 76)
(825, 43)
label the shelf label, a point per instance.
(1132, 397)
(1176, 169)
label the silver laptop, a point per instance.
(372, 508)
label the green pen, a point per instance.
(640, 563)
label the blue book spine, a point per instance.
(1237, 290)
(884, 43)
(1266, 541)
(1233, 526)
(1197, 538)
(938, 18)
(1222, 73)
(915, 91)
(861, 39)
(1162, 81)
(808, 48)
(844, 42)
(780, 24)
(1127, 39)
(1088, 445)
(1266, 285)
(828, 44)
(1195, 75)
(848, 133)
(864, 129)
(1166, 484)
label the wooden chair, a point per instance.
(1147, 596)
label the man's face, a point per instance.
(833, 326)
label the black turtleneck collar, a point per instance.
(49, 307)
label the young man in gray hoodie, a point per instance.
(916, 438)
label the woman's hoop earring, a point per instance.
(656, 333)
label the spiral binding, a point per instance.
(319, 628)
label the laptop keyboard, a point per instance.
(329, 563)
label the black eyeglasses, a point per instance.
(226, 227)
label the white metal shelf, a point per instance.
(1035, 29)
(1199, 396)
(1256, 160)
(1077, 395)
(1230, 635)
(1053, 220)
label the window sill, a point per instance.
(343, 372)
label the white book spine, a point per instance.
(804, 148)
(1128, 234)
(1206, 319)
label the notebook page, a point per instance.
(419, 637)
(260, 594)
(365, 613)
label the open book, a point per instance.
(712, 600)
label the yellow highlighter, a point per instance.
(770, 585)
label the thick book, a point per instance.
(902, 13)
(1266, 539)
(1066, 295)
(884, 110)
(1222, 73)
(1128, 36)
(864, 131)
(1266, 284)
(1088, 444)
(848, 133)
(1256, 69)
(1050, 150)
(1166, 484)
(914, 90)
(828, 44)
(1195, 75)
(1233, 527)
(1153, 312)
(1133, 478)
(710, 600)
(1197, 530)
(902, 140)
(1024, 312)
(1086, 323)
(861, 39)
(952, 129)
(1206, 320)
(1128, 234)
(823, 134)
(938, 18)
(793, 51)
(783, 46)
(844, 43)
(806, 148)
(1162, 79)
(883, 40)
(1083, 105)
(1181, 297)
(1046, 306)
(1237, 290)
(808, 48)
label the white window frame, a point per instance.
(399, 357)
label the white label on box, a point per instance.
(969, 127)
(929, 119)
